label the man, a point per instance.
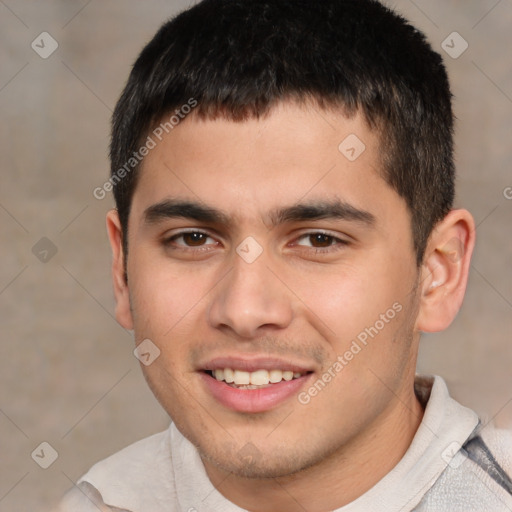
(284, 232)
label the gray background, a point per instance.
(67, 370)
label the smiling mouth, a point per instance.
(241, 379)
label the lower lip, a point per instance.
(253, 400)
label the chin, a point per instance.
(249, 462)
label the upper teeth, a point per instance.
(257, 378)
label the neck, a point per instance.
(348, 473)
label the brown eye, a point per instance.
(188, 240)
(194, 239)
(321, 240)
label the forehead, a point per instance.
(251, 167)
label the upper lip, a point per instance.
(255, 363)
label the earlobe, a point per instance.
(121, 292)
(445, 271)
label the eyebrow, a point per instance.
(310, 211)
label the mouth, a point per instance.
(253, 386)
(240, 379)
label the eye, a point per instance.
(189, 239)
(321, 241)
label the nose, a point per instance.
(251, 300)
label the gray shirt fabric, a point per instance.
(454, 464)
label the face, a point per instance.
(263, 252)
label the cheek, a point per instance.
(341, 304)
(165, 306)
(164, 296)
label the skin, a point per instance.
(292, 302)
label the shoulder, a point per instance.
(499, 442)
(84, 498)
(479, 476)
(139, 477)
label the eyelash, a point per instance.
(340, 243)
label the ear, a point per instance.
(444, 272)
(121, 292)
